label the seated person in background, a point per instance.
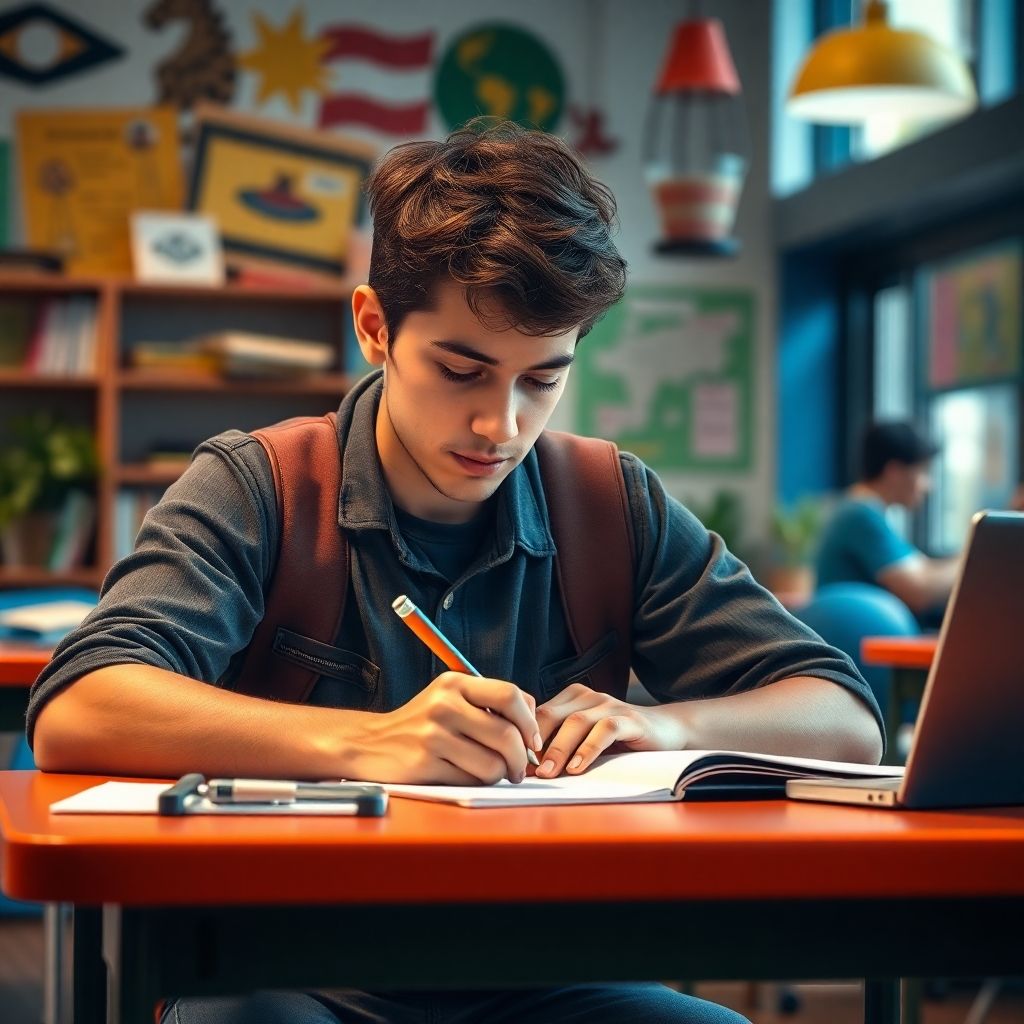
(492, 257)
(859, 545)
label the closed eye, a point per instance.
(475, 375)
(458, 378)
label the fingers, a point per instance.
(579, 724)
(495, 716)
(505, 700)
(582, 737)
(468, 763)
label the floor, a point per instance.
(21, 1001)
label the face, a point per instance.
(462, 404)
(910, 483)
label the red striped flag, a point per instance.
(376, 107)
(396, 52)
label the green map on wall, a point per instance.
(668, 374)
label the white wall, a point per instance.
(635, 40)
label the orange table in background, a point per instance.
(436, 896)
(909, 658)
(19, 666)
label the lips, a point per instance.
(479, 465)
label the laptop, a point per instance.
(967, 745)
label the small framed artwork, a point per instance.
(280, 194)
(176, 248)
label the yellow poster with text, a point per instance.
(83, 173)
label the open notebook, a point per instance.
(654, 777)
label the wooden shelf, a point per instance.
(30, 281)
(142, 475)
(37, 576)
(131, 408)
(231, 293)
(148, 380)
(28, 380)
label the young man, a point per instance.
(491, 259)
(859, 544)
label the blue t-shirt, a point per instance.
(858, 543)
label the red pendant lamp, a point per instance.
(695, 143)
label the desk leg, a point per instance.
(88, 974)
(132, 966)
(53, 969)
(881, 1000)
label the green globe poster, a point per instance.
(503, 72)
(668, 375)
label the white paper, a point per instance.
(46, 617)
(141, 798)
(638, 777)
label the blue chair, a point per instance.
(842, 614)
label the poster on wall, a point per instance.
(83, 172)
(668, 374)
(500, 71)
(280, 194)
(974, 309)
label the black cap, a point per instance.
(898, 441)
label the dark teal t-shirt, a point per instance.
(858, 544)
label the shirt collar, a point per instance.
(364, 502)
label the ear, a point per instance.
(371, 328)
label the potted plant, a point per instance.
(722, 514)
(45, 463)
(795, 531)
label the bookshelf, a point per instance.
(141, 416)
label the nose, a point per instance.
(498, 419)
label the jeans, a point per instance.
(649, 1003)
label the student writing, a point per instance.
(492, 258)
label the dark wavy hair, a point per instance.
(511, 214)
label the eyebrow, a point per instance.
(460, 348)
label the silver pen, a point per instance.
(235, 791)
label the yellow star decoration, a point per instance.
(286, 60)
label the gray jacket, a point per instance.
(190, 595)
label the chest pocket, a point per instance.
(360, 677)
(559, 674)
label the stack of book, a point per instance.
(243, 354)
(55, 337)
(234, 354)
(175, 357)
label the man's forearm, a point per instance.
(800, 716)
(141, 720)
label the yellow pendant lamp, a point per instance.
(854, 74)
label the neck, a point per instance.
(410, 488)
(870, 491)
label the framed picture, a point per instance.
(84, 171)
(279, 194)
(176, 248)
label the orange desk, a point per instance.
(19, 666)
(434, 896)
(909, 658)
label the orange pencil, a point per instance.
(439, 644)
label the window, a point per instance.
(985, 32)
(966, 384)
(977, 467)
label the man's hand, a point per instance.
(579, 724)
(460, 730)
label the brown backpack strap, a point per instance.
(592, 527)
(306, 464)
